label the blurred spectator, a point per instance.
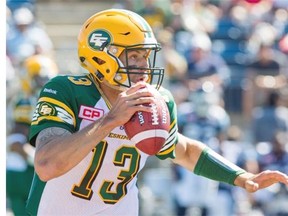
(13, 85)
(267, 63)
(202, 119)
(200, 16)
(205, 68)
(280, 20)
(15, 4)
(124, 4)
(265, 74)
(277, 157)
(25, 37)
(191, 17)
(19, 158)
(243, 154)
(12, 81)
(153, 14)
(181, 36)
(175, 66)
(262, 36)
(273, 200)
(272, 116)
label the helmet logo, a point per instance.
(98, 38)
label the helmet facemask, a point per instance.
(151, 74)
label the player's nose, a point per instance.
(143, 63)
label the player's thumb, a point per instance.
(251, 186)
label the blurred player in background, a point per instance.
(19, 158)
(84, 162)
(28, 80)
(37, 70)
(34, 72)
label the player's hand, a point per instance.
(253, 183)
(130, 101)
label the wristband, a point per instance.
(215, 167)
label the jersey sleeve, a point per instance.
(168, 149)
(53, 108)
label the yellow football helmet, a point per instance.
(37, 70)
(106, 35)
(23, 110)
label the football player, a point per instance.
(37, 70)
(84, 162)
(19, 157)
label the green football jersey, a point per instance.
(104, 182)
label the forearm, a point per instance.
(203, 161)
(56, 154)
(215, 167)
(188, 152)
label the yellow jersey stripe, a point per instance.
(167, 151)
(54, 118)
(172, 124)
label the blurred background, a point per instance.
(226, 65)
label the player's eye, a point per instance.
(133, 57)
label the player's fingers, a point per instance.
(142, 108)
(279, 176)
(140, 104)
(275, 176)
(251, 186)
(136, 91)
(139, 97)
(142, 101)
(136, 87)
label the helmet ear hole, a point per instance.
(82, 59)
(98, 60)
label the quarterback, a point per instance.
(84, 162)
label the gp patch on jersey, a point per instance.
(98, 38)
(49, 109)
(46, 109)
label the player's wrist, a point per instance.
(241, 179)
(110, 122)
(104, 125)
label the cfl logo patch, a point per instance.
(97, 38)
